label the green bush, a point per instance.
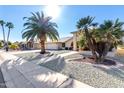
(9, 43)
(81, 42)
(0, 44)
(13, 46)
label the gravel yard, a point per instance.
(36, 55)
(90, 74)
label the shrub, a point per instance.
(0, 44)
(9, 43)
(81, 42)
(13, 46)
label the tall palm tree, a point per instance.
(2, 23)
(84, 24)
(41, 27)
(10, 26)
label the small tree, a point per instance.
(84, 24)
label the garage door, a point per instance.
(51, 46)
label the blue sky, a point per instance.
(66, 20)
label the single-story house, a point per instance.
(63, 43)
(67, 43)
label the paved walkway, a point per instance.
(19, 73)
(69, 53)
(2, 83)
(26, 51)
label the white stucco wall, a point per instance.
(74, 41)
(76, 37)
(68, 43)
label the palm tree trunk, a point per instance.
(3, 35)
(90, 44)
(100, 59)
(107, 46)
(8, 40)
(42, 43)
(102, 55)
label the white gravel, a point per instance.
(87, 73)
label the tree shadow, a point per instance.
(39, 76)
(2, 82)
(33, 56)
(117, 72)
(51, 61)
(54, 62)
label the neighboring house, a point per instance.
(27, 45)
(63, 43)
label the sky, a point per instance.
(66, 19)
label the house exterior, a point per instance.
(76, 37)
(63, 43)
(66, 43)
(53, 45)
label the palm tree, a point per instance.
(109, 33)
(101, 38)
(2, 23)
(84, 24)
(10, 26)
(40, 27)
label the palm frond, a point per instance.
(86, 21)
(38, 25)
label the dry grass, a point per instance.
(120, 52)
